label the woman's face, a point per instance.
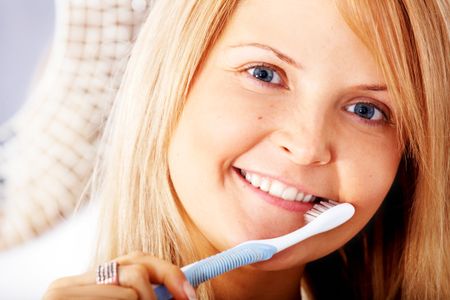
(292, 99)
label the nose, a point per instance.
(306, 145)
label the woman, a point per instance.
(234, 116)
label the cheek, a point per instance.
(217, 125)
(364, 181)
(219, 122)
(368, 173)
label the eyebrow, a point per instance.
(291, 61)
(277, 53)
(372, 87)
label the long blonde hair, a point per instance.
(141, 212)
(405, 249)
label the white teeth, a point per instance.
(248, 176)
(289, 193)
(256, 180)
(265, 185)
(276, 188)
(299, 196)
(308, 198)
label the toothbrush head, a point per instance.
(318, 209)
(329, 214)
(323, 216)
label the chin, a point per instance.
(298, 255)
(280, 262)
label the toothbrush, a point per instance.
(324, 216)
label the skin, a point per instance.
(136, 272)
(300, 128)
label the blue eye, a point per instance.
(265, 74)
(366, 111)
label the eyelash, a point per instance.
(386, 120)
(386, 115)
(275, 69)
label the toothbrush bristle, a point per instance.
(318, 209)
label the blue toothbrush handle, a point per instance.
(220, 263)
(161, 292)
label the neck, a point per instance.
(251, 283)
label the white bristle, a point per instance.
(326, 204)
(318, 209)
(309, 218)
(314, 212)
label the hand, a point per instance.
(136, 273)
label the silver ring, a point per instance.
(107, 273)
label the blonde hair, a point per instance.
(141, 212)
(406, 247)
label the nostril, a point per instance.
(307, 155)
(285, 149)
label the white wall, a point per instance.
(25, 33)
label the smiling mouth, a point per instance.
(278, 189)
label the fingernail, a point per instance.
(189, 291)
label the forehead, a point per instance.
(293, 20)
(310, 31)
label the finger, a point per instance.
(92, 292)
(88, 278)
(133, 276)
(136, 276)
(160, 271)
(130, 276)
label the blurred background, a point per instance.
(26, 31)
(61, 65)
(26, 28)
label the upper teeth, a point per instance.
(276, 188)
